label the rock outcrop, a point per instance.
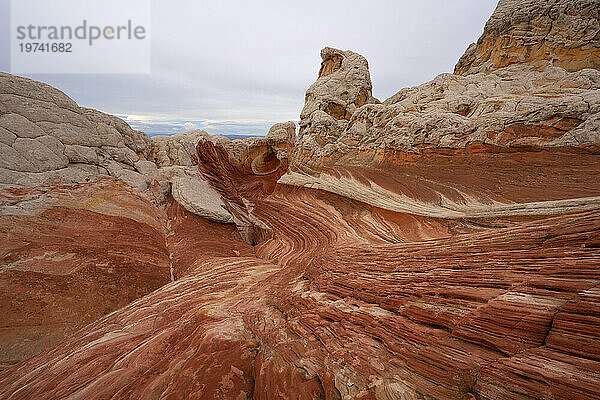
(263, 155)
(517, 117)
(498, 313)
(459, 145)
(561, 33)
(175, 149)
(69, 255)
(514, 108)
(47, 139)
(343, 86)
(75, 182)
(441, 244)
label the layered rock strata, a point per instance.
(84, 210)
(511, 124)
(561, 33)
(441, 244)
(343, 300)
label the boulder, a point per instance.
(195, 195)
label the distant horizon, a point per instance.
(221, 128)
(240, 77)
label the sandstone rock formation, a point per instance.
(52, 227)
(69, 255)
(561, 33)
(175, 149)
(441, 244)
(498, 313)
(47, 139)
(504, 121)
(344, 85)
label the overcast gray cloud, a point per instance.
(239, 66)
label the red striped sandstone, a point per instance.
(442, 244)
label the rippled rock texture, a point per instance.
(339, 299)
(441, 244)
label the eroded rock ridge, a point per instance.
(441, 244)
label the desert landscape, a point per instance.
(443, 243)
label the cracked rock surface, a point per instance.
(441, 244)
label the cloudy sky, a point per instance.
(237, 67)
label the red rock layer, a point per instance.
(518, 176)
(83, 251)
(340, 300)
(79, 252)
(192, 240)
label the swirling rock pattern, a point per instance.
(66, 259)
(441, 244)
(343, 300)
